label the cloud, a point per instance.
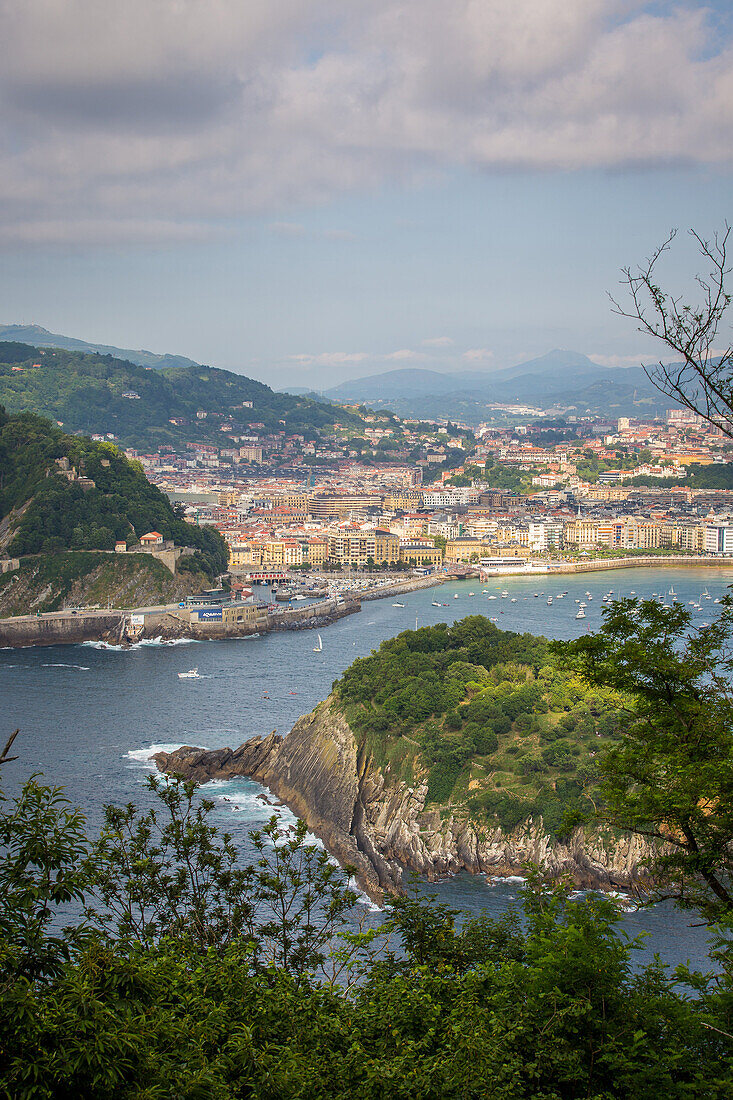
(404, 354)
(329, 358)
(618, 360)
(478, 355)
(437, 342)
(141, 113)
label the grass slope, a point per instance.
(83, 579)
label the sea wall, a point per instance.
(321, 772)
(401, 588)
(62, 629)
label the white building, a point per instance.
(544, 536)
(719, 539)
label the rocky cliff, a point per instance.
(381, 827)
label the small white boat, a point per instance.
(581, 613)
(192, 674)
(455, 595)
(672, 592)
(549, 601)
(472, 593)
(492, 597)
(319, 647)
(398, 605)
(436, 604)
(513, 599)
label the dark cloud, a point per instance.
(168, 114)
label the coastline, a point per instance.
(125, 627)
(120, 628)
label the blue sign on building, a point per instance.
(210, 613)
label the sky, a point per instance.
(307, 191)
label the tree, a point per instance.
(669, 778)
(703, 379)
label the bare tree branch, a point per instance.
(701, 377)
(4, 758)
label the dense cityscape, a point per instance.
(423, 493)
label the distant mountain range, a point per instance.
(41, 338)
(563, 380)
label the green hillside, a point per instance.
(488, 717)
(85, 393)
(42, 512)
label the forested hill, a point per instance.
(489, 718)
(42, 511)
(86, 393)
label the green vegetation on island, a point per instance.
(150, 960)
(101, 394)
(497, 726)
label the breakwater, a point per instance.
(169, 624)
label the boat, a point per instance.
(514, 599)
(192, 674)
(504, 594)
(492, 597)
(319, 647)
(549, 601)
(455, 595)
(472, 593)
(398, 605)
(705, 593)
(672, 592)
(581, 613)
(436, 604)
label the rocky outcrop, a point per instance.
(381, 828)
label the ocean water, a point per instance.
(91, 715)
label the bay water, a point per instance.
(90, 716)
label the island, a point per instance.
(449, 748)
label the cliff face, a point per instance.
(326, 779)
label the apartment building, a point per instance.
(542, 537)
(420, 553)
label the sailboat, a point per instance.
(319, 647)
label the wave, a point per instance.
(143, 643)
(144, 757)
(62, 664)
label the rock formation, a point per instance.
(380, 828)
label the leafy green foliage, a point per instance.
(669, 778)
(473, 704)
(542, 1003)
